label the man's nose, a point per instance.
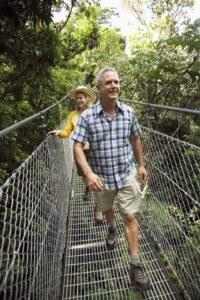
(113, 84)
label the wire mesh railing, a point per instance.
(172, 210)
(34, 207)
(153, 106)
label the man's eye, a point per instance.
(110, 82)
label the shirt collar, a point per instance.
(99, 107)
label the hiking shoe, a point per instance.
(86, 195)
(111, 238)
(98, 216)
(138, 277)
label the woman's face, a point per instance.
(81, 101)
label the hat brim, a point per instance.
(84, 90)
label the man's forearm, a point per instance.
(80, 158)
(92, 180)
(138, 152)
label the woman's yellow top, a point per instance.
(71, 124)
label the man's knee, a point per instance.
(129, 219)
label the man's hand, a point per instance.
(53, 132)
(143, 175)
(93, 182)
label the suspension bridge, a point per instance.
(51, 247)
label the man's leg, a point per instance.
(104, 201)
(110, 216)
(112, 230)
(131, 233)
(129, 202)
(98, 215)
(86, 194)
(131, 230)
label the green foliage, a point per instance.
(176, 247)
(193, 135)
(110, 52)
(37, 67)
(17, 13)
(164, 64)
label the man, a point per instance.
(112, 130)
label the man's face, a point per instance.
(109, 87)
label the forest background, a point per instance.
(42, 60)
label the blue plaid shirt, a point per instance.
(111, 153)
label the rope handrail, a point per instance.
(164, 107)
(29, 119)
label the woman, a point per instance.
(84, 98)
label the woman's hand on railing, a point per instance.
(53, 132)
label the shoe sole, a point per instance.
(98, 221)
(140, 288)
(143, 289)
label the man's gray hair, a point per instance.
(101, 72)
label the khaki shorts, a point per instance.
(127, 198)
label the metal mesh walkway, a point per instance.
(93, 272)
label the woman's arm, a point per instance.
(65, 133)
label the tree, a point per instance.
(110, 52)
(36, 65)
(165, 61)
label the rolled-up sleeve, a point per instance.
(80, 134)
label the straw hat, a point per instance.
(86, 91)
